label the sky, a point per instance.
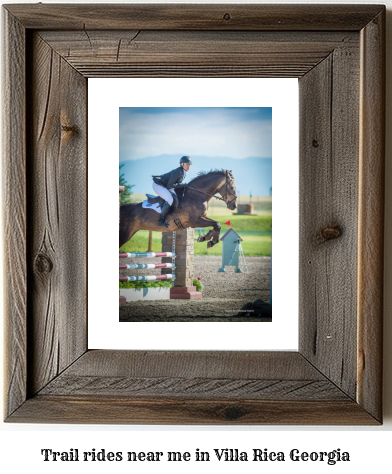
(232, 132)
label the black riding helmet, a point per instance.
(186, 159)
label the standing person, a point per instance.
(164, 183)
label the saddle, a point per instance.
(173, 208)
(157, 199)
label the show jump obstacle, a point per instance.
(159, 293)
(177, 266)
(133, 266)
(183, 242)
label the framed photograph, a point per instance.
(222, 244)
(221, 119)
(337, 53)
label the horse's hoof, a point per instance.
(200, 238)
(210, 244)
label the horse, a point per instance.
(191, 211)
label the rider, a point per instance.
(164, 183)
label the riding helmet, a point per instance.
(186, 159)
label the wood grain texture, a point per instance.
(195, 17)
(57, 211)
(335, 378)
(329, 216)
(104, 410)
(14, 211)
(207, 364)
(192, 387)
(205, 374)
(193, 53)
(371, 216)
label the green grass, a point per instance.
(245, 223)
(254, 230)
(139, 242)
(253, 246)
(214, 211)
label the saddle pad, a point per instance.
(155, 207)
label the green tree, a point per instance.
(126, 195)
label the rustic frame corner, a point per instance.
(338, 54)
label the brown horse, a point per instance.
(191, 211)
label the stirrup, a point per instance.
(163, 223)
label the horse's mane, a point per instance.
(202, 174)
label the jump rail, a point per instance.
(167, 276)
(147, 254)
(132, 266)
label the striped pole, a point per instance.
(168, 276)
(174, 253)
(146, 254)
(132, 266)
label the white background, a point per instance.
(105, 97)
(20, 445)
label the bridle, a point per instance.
(227, 194)
(225, 200)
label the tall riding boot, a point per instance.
(165, 210)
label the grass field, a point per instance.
(254, 230)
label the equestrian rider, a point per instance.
(164, 183)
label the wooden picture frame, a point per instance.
(337, 52)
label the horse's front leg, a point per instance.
(214, 233)
(208, 236)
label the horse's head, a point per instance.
(228, 191)
(217, 181)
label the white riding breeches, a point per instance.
(163, 192)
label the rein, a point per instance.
(203, 192)
(213, 195)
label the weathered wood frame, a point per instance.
(337, 52)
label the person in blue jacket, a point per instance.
(164, 183)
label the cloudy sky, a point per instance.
(206, 131)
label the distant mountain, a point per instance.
(251, 175)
